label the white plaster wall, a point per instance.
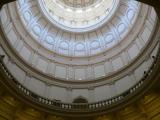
(123, 84)
(99, 71)
(133, 51)
(42, 64)
(25, 53)
(102, 93)
(117, 63)
(80, 74)
(57, 93)
(36, 86)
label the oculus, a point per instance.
(79, 15)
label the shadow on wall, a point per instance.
(80, 99)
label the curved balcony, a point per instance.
(149, 78)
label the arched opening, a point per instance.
(80, 100)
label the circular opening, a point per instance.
(76, 17)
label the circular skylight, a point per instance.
(78, 15)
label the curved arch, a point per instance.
(80, 99)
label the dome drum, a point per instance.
(49, 58)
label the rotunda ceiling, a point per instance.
(51, 56)
(78, 55)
